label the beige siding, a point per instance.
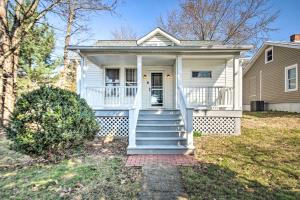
(157, 40)
(221, 73)
(273, 77)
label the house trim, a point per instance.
(286, 77)
(266, 55)
(158, 31)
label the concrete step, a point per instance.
(159, 133)
(160, 112)
(159, 127)
(160, 141)
(160, 121)
(159, 149)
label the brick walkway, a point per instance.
(171, 160)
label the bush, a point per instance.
(49, 121)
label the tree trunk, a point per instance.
(70, 21)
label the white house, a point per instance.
(158, 90)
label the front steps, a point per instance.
(160, 132)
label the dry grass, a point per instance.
(97, 172)
(262, 163)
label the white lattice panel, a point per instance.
(220, 125)
(115, 126)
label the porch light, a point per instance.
(169, 76)
(145, 76)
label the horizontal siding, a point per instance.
(221, 73)
(157, 40)
(94, 75)
(273, 77)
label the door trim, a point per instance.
(163, 88)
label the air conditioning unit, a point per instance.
(257, 106)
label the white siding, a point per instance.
(221, 72)
(168, 84)
(158, 40)
(93, 75)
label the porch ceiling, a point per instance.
(153, 60)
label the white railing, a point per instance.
(187, 116)
(133, 117)
(209, 97)
(111, 96)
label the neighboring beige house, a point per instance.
(158, 89)
(272, 76)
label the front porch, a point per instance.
(183, 93)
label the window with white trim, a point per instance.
(269, 55)
(291, 78)
(130, 81)
(201, 74)
(112, 78)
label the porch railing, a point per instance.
(209, 97)
(111, 96)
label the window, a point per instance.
(201, 74)
(112, 78)
(268, 55)
(291, 78)
(131, 81)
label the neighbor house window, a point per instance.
(201, 74)
(269, 55)
(112, 78)
(291, 78)
(130, 81)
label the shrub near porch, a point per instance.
(97, 172)
(262, 163)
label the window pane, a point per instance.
(292, 73)
(201, 74)
(112, 77)
(269, 55)
(292, 84)
(131, 77)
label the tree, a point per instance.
(230, 21)
(124, 33)
(76, 13)
(36, 67)
(17, 17)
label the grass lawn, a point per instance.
(262, 163)
(96, 173)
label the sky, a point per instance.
(142, 15)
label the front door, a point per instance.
(156, 89)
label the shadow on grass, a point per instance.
(270, 114)
(210, 181)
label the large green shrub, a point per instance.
(49, 121)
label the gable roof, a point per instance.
(156, 32)
(294, 45)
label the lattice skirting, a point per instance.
(217, 125)
(115, 126)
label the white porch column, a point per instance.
(139, 78)
(83, 69)
(78, 76)
(178, 77)
(237, 84)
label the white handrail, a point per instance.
(111, 96)
(187, 115)
(209, 97)
(133, 117)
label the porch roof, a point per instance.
(161, 49)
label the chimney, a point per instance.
(295, 38)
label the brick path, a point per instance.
(161, 182)
(171, 160)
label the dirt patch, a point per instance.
(107, 146)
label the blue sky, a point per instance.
(141, 16)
